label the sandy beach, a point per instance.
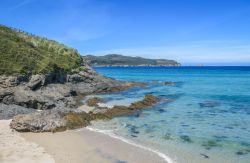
(89, 146)
(16, 149)
(71, 146)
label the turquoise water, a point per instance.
(204, 117)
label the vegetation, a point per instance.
(120, 60)
(22, 52)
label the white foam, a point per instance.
(113, 135)
(105, 105)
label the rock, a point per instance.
(93, 101)
(51, 120)
(11, 81)
(169, 83)
(204, 155)
(210, 144)
(148, 100)
(36, 81)
(185, 138)
(4, 93)
(57, 89)
(243, 152)
(9, 111)
(60, 119)
(115, 111)
(209, 104)
(76, 78)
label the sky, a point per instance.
(193, 32)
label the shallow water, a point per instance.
(203, 117)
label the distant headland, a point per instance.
(117, 60)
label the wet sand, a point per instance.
(78, 146)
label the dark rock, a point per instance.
(4, 93)
(169, 83)
(210, 143)
(161, 110)
(209, 104)
(36, 81)
(204, 155)
(12, 81)
(9, 111)
(185, 138)
(243, 152)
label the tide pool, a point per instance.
(203, 117)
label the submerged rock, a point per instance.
(94, 101)
(209, 104)
(186, 138)
(243, 152)
(115, 111)
(204, 155)
(169, 83)
(210, 143)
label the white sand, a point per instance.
(86, 146)
(73, 146)
(15, 149)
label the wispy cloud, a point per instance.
(21, 4)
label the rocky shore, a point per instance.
(49, 102)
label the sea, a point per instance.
(203, 116)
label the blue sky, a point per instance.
(214, 32)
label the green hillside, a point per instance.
(21, 52)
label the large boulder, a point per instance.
(36, 81)
(51, 120)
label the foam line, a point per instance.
(111, 134)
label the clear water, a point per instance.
(181, 126)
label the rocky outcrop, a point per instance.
(47, 91)
(115, 111)
(51, 120)
(9, 111)
(61, 119)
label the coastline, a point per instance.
(88, 145)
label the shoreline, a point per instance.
(114, 136)
(88, 145)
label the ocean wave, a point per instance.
(113, 135)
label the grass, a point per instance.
(22, 52)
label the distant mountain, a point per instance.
(121, 60)
(22, 52)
